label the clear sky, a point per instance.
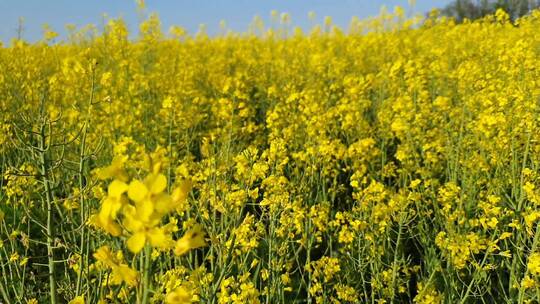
(187, 13)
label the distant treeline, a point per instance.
(474, 9)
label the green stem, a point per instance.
(82, 159)
(146, 279)
(395, 262)
(82, 206)
(4, 294)
(48, 196)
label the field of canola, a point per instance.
(394, 162)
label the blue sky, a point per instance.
(186, 13)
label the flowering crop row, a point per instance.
(394, 162)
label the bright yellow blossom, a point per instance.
(192, 239)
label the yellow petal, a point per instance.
(111, 227)
(115, 207)
(77, 300)
(197, 237)
(104, 221)
(136, 242)
(163, 203)
(157, 167)
(105, 256)
(505, 235)
(131, 220)
(105, 210)
(181, 193)
(182, 246)
(137, 191)
(126, 274)
(158, 238)
(193, 239)
(145, 210)
(180, 295)
(115, 169)
(117, 188)
(156, 183)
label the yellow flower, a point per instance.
(144, 230)
(140, 212)
(149, 197)
(24, 261)
(77, 300)
(193, 239)
(505, 235)
(527, 282)
(156, 236)
(180, 193)
(506, 254)
(179, 296)
(110, 207)
(121, 272)
(167, 103)
(533, 264)
(14, 257)
(114, 170)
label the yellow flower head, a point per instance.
(121, 272)
(77, 300)
(179, 296)
(193, 239)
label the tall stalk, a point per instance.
(146, 278)
(84, 252)
(44, 167)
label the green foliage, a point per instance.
(475, 9)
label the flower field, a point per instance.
(396, 161)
